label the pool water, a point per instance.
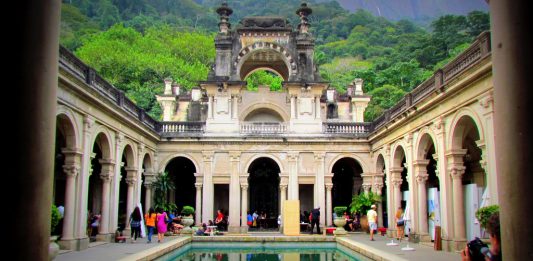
(258, 251)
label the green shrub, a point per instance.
(339, 211)
(187, 210)
(56, 216)
(361, 203)
(483, 214)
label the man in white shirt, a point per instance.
(372, 216)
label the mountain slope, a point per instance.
(417, 10)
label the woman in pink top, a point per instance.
(161, 225)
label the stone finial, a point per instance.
(168, 86)
(358, 83)
(224, 12)
(303, 12)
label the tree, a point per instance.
(382, 99)
(162, 186)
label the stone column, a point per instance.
(457, 171)
(317, 107)
(421, 177)
(198, 207)
(131, 179)
(208, 189)
(283, 196)
(512, 65)
(71, 169)
(234, 100)
(329, 207)
(149, 179)
(34, 116)
(378, 188)
(396, 180)
(319, 185)
(244, 207)
(234, 193)
(210, 108)
(293, 175)
(106, 175)
(293, 107)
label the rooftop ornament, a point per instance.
(224, 12)
(303, 12)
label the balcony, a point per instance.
(347, 128)
(263, 128)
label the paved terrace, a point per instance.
(359, 242)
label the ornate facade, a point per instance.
(226, 148)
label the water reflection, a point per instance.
(251, 255)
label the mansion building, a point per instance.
(237, 150)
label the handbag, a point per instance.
(400, 222)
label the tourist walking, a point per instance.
(150, 223)
(315, 220)
(372, 216)
(161, 224)
(135, 224)
(400, 224)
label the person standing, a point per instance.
(315, 220)
(372, 216)
(161, 224)
(135, 224)
(150, 223)
(400, 224)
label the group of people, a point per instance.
(155, 221)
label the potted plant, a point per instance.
(483, 214)
(187, 219)
(361, 204)
(162, 186)
(339, 220)
(53, 247)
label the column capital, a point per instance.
(245, 186)
(329, 186)
(120, 138)
(366, 187)
(198, 185)
(378, 188)
(208, 155)
(319, 156)
(131, 180)
(235, 156)
(457, 171)
(243, 179)
(106, 177)
(292, 156)
(421, 178)
(88, 122)
(71, 170)
(283, 186)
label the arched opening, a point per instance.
(426, 151)
(347, 181)
(264, 191)
(382, 208)
(127, 163)
(101, 153)
(263, 77)
(181, 171)
(263, 115)
(466, 136)
(147, 166)
(404, 193)
(269, 59)
(60, 177)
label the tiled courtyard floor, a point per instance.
(378, 248)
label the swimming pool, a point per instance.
(264, 251)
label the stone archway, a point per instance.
(347, 181)
(181, 171)
(127, 181)
(468, 177)
(264, 187)
(425, 171)
(265, 55)
(98, 198)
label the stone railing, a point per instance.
(271, 128)
(436, 83)
(70, 63)
(357, 128)
(177, 127)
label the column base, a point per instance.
(447, 245)
(234, 229)
(105, 237)
(392, 233)
(74, 244)
(424, 237)
(244, 230)
(458, 244)
(414, 237)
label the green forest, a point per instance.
(135, 44)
